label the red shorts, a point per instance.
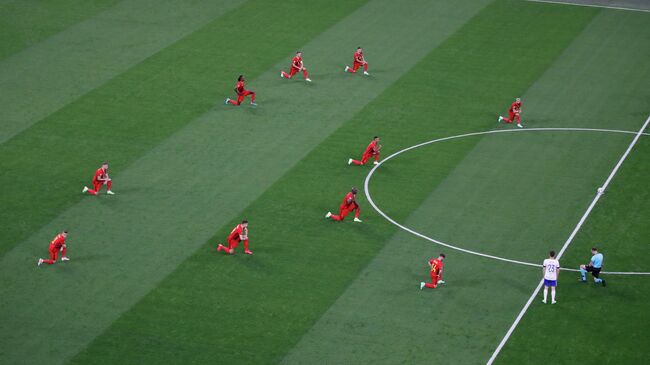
(344, 209)
(243, 95)
(54, 252)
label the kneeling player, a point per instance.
(371, 151)
(242, 93)
(435, 272)
(594, 266)
(238, 234)
(359, 61)
(57, 245)
(296, 66)
(514, 113)
(349, 205)
(100, 179)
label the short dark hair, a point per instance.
(298, 51)
(443, 255)
(354, 190)
(359, 47)
(244, 221)
(594, 249)
(66, 231)
(552, 253)
(240, 77)
(375, 137)
(105, 163)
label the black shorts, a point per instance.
(595, 271)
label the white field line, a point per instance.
(372, 203)
(589, 5)
(569, 240)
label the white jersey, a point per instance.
(551, 266)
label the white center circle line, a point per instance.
(453, 247)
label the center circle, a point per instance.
(457, 248)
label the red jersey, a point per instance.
(372, 148)
(515, 107)
(358, 56)
(436, 266)
(349, 197)
(58, 241)
(237, 232)
(239, 88)
(297, 62)
(100, 175)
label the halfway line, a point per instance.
(569, 240)
(588, 5)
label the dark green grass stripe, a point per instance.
(254, 309)
(24, 23)
(127, 116)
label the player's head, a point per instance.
(441, 257)
(518, 100)
(375, 138)
(65, 233)
(299, 53)
(594, 250)
(240, 78)
(354, 190)
(104, 165)
(244, 223)
(552, 254)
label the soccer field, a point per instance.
(142, 83)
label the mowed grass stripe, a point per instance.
(51, 74)
(195, 191)
(253, 309)
(25, 23)
(138, 110)
(610, 61)
(381, 317)
(618, 226)
(135, 111)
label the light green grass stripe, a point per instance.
(171, 200)
(25, 23)
(47, 76)
(514, 195)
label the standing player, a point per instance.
(371, 151)
(241, 93)
(57, 244)
(358, 62)
(296, 66)
(594, 266)
(435, 266)
(238, 234)
(514, 113)
(551, 270)
(349, 205)
(100, 179)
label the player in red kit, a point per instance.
(358, 62)
(238, 234)
(296, 66)
(241, 93)
(100, 179)
(435, 266)
(57, 245)
(371, 151)
(514, 113)
(349, 205)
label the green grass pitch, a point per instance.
(141, 84)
